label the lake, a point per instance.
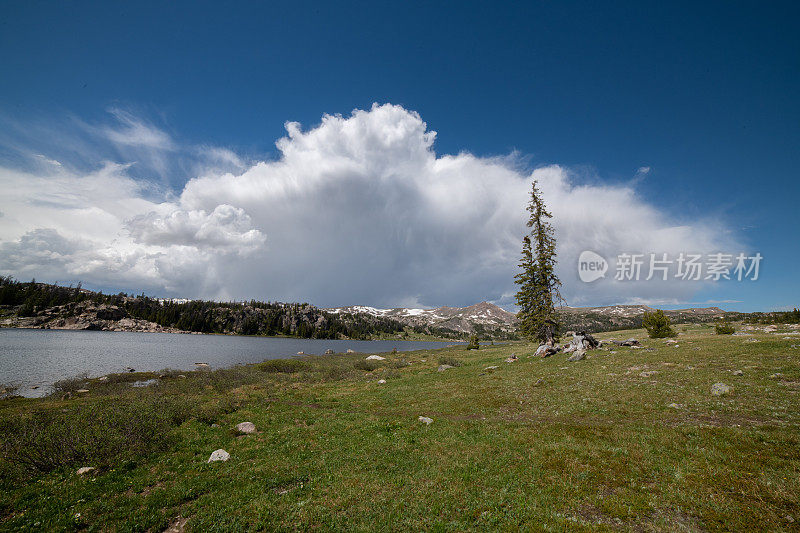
(34, 359)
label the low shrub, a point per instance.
(97, 434)
(284, 366)
(367, 366)
(473, 343)
(452, 361)
(658, 325)
(71, 384)
(724, 328)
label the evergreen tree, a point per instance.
(538, 283)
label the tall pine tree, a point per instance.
(538, 283)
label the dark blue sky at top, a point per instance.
(706, 94)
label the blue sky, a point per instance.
(705, 96)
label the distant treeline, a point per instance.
(31, 299)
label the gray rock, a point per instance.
(577, 356)
(328, 352)
(82, 471)
(247, 428)
(674, 406)
(720, 389)
(350, 351)
(737, 373)
(381, 381)
(442, 368)
(375, 358)
(425, 420)
(494, 367)
(219, 455)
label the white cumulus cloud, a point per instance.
(359, 209)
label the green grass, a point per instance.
(538, 444)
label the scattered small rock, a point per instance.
(301, 353)
(102, 378)
(246, 428)
(538, 382)
(182, 376)
(674, 406)
(425, 420)
(495, 367)
(720, 389)
(776, 375)
(737, 373)
(82, 391)
(648, 373)
(381, 381)
(214, 425)
(512, 359)
(350, 351)
(219, 455)
(82, 471)
(442, 368)
(375, 358)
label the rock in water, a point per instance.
(246, 428)
(328, 352)
(720, 389)
(425, 420)
(219, 455)
(577, 356)
(375, 358)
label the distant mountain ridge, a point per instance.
(491, 320)
(483, 316)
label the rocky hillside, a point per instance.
(44, 306)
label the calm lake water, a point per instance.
(38, 358)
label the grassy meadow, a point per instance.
(627, 439)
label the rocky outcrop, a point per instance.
(86, 316)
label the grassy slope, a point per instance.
(593, 446)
